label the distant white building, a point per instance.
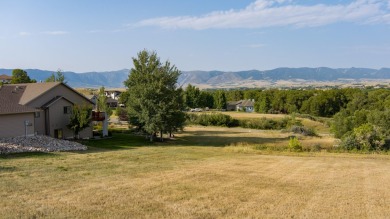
(114, 93)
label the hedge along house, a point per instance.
(39, 109)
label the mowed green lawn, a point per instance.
(200, 174)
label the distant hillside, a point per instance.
(114, 79)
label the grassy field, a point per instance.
(203, 173)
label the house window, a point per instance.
(37, 114)
(67, 110)
(58, 133)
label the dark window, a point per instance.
(58, 133)
(67, 110)
(37, 114)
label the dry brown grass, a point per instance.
(243, 115)
(188, 179)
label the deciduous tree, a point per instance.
(80, 118)
(154, 101)
(20, 76)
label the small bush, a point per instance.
(294, 144)
(303, 130)
(366, 137)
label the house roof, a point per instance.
(242, 103)
(34, 90)
(5, 77)
(232, 103)
(9, 100)
(247, 103)
(14, 97)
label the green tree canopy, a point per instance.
(102, 102)
(59, 77)
(80, 118)
(220, 99)
(154, 101)
(192, 96)
(20, 76)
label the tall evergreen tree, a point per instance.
(154, 101)
(59, 77)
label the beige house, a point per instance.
(39, 109)
(241, 105)
(5, 79)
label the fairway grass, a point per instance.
(127, 177)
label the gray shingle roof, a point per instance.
(10, 96)
(247, 103)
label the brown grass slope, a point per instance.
(195, 176)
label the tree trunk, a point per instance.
(161, 136)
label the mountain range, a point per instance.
(114, 79)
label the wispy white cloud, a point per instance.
(23, 33)
(57, 32)
(271, 13)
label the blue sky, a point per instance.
(228, 35)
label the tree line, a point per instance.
(20, 76)
(324, 103)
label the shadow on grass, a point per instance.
(119, 141)
(27, 155)
(122, 141)
(222, 141)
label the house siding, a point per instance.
(57, 118)
(49, 100)
(40, 123)
(14, 125)
(55, 113)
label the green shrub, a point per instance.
(294, 144)
(366, 137)
(213, 119)
(264, 123)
